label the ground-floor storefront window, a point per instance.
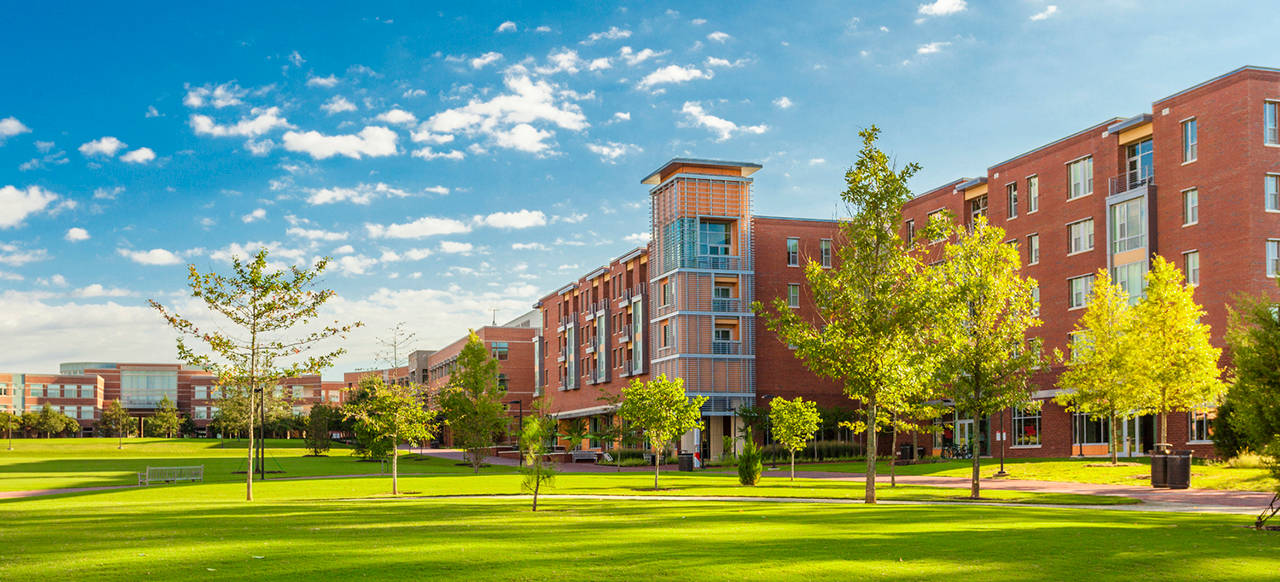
(1026, 428)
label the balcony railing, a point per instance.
(1128, 243)
(725, 262)
(729, 305)
(1130, 180)
(722, 347)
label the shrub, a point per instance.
(826, 451)
(1247, 460)
(749, 465)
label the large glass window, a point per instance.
(793, 295)
(1080, 236)
(1035, 300)
(1026, 428)
(1190, 206)
(1033, 194)
(935, 215)
(145, 388)
(1011, 195)
(826, 252)
(1079, 178)
(1128, 225)
(1273, 192)
(713, 238)
(1189, 141)
(977, 207)
(1271, 126)
(1033, 249)
(793, 252)
(1079, 289)
(1131, 279)
(1090, 431)
(911, 232)
(500, 350)
(1201, 429)
(1273, 257)
(1191, 267)
(1140, 163)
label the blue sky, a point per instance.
(455, 159)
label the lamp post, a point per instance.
(1004, 436)
(519, 427)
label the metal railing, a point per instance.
(722, 347)
(1130, 180)
(730, 304)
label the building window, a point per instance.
(1190, 207)
(1273, 257)
(1132, 279)
(503, 381)
(1273, 192)
(1026, 428)
(936, 214)
(1080, 178)
(793, 295)
(826, 253)
(1035, 301)
(1080, 236)
(1271, 131)
(1033, 249)
(668, 335)
(1079, 291)
(1191, 266)
(977, 207)
(1201, 429)
(1090, 431)
(911, 232)
(1128, 225)
(1189, 141)
(793, 252)
(713, 238)
(722, 334)
(668, 293)
(500, 350)
(1033, 194)
(1011, 195)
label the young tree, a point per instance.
(1252, 406)
(981, 322)
(166, 420)
(8, 423)
(1178, 368)
(662, 411)
(794, 422)
(396, 413)
(869, 303)
(750, 462)
(257, 340)
(48, 421)
(473, 401)
(117, 420)
(538, 471)
(318, 440)
(1101, 376)
(574, 430)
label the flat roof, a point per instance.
(1057, 141)
(1218, 78)
(748, 168)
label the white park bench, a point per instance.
(583, 456)
(171, 474)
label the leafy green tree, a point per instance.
(28, 421)
(574, 430)
(472, 402)
(750, 462)
(116, 420)
(870, 303)
(48, 421)
(662, 411)
(397, 413)
(981, 322)
(166, 420)
(538, 471)
(1178, 365)
(1251, 411)
(1102, 374)
(794, 423)
(8, 423)
(258, 339)
(318, 420)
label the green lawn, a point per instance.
(314, 529)
(1074, 470)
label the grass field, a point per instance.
(1203, 476)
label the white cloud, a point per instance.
(523, 137)
(421, 228)
(259, 147)
(10, 126)
(719, 36)
(372, 141)
(296, 59)
(726, 63)
(563, 61)
(97, 290)
(485, 59)
(622, 116)
(932, 48)
(1048, 11)
(16, 205)
(76, 234)
(103, 146)
(513, 220)
(316, 234)
(942, 7)
(151, 257)
(455, 248)
(507, 26)
(673, 74)
(817, 161)
(355, 264)
(107, 193)
(279, 256)
(634, 58)
(397, 117)
(614, 33)
(507, 119)
(263, 121)
(543, 28)
(429, 154)
(223, 95)
(139, 156)
(57, 280)
(613, 150)
(884, 29)
(639, 238)
(599, 64)
(783, 103)
(723, 128)
(440, 190)
(361, 194)
(344, 250)
(571, 218)
(326, 82)
(14, 256)
(532, 246)
(256, 215)
(338, 104)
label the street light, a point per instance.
(1003, 436)
(519, 427)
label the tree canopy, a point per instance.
(794, 423)
(472, 402)
(397, 413)
(662, 411)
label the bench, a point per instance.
(583, 456)
(171, 474)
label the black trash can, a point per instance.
(686, 461)
(1178, 470)
(1160, 465)
(904, 452)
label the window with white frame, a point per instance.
(1191, 267)
(1089, 431)
(793, 252)
(1273, 192)
(1033, 194)
(1080, 178)
(1190, 206)
(1033, 249)
(977, 207)
(793, 295)
(1201, 429)
(1132, 279)
(668, 293)
(1035, 301)
(1080, 236)
(1026, 428)
(1078, 291)
(826, 252)
(1011, 195)
(1273, 257)
(1189, 141)
(1128, 225)
(1271, 126)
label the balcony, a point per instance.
(1131, 180)
(590, 348)
(625, 337)
(726, 348)
(729, 305)
(717, 262)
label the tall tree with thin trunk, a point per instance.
(9, 422)
(662, 411)
(117, 420)
(396, 345)
(396, 413)
(539, 429)
(1101, 379)
(266, 328)
(794, 422)
(166, 420)
(1179, 366)
(987, 308)
(472, 402)
(870, 303)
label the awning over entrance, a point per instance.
(592, 411)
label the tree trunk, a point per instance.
(1115, 453)
(537, 483)
(1164, 421)
(656, 454)
(893, 451)
(248, 474)
(870, 495)
(793, 465)
(395, 456)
